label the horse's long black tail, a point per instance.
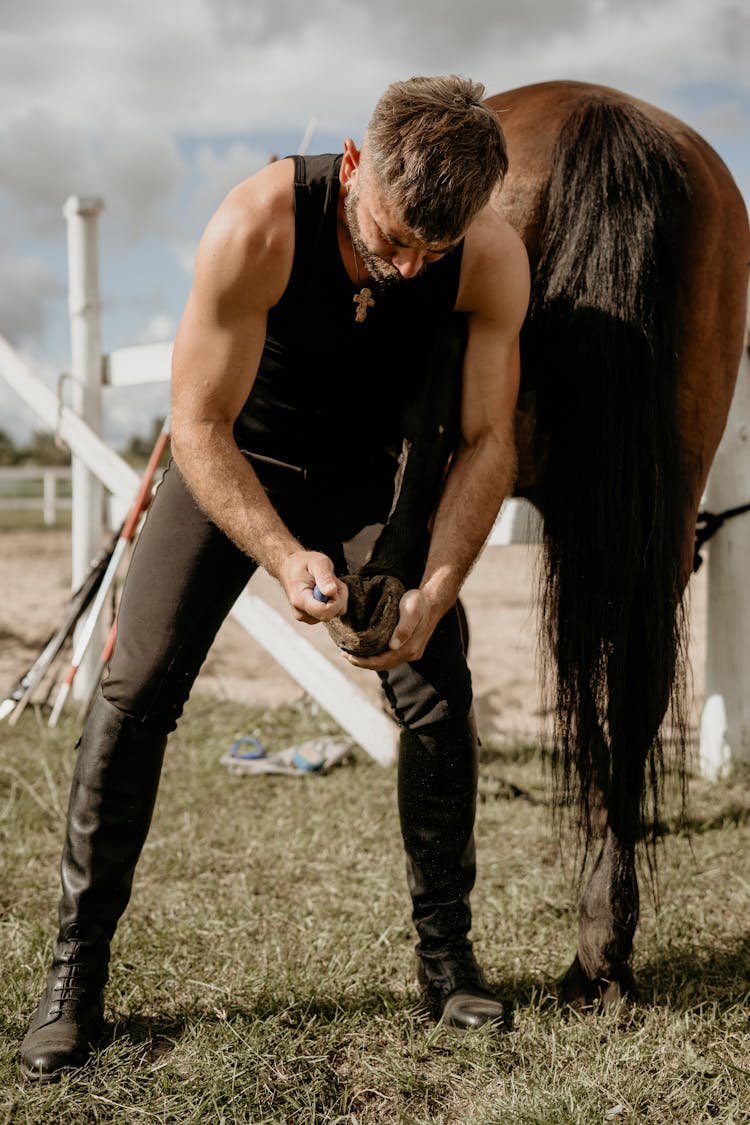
(602, 341)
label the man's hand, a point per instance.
(416, 621)
(300, 573)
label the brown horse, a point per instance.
(639, 247)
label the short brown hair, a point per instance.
(437, 152)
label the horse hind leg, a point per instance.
(610, 903)
(608, 917)
(609, 906)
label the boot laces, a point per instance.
(78, 973)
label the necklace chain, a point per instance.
(354, 252)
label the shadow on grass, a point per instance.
(678, 979)
(688, 978)
(162, 1032)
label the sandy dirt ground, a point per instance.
(498, 596)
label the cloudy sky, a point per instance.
(160, 107)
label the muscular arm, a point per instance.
(242, 267)
(494, 292)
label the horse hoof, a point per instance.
(584, 994)
(371, 616)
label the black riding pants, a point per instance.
(185, 576)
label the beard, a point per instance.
(379, 270)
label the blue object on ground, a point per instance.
(256, 749)
(313, 757)
(308, 756)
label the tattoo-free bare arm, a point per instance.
(242, 267)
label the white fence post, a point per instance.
(49, 496)
(86, 365)
(725, 723)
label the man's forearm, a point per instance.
(227, 489)
(480, 479)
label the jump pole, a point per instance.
(84, 308)
(92, 626)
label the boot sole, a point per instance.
(45, 1078)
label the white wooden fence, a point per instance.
(725, 727)
(49, 499)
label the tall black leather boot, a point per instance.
(111, 802)
(437, 786)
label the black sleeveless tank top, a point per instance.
(330, 391)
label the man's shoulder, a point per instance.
(258, 213)
(495, 267)
(491, 239)
(251, 234)
(260, 202)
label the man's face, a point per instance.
(388, 248)
(378, 267)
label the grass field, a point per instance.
(31, 519)
(264, 971)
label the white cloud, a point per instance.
(159, 108)
(160, 329)
(138, 172)
(44, 160)
(26, 285)
(185, 252)
(230, 66)
(218, 174)
(669, 44)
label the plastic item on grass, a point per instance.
(313, 756)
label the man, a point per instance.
(319, 283)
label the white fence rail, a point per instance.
(48, 499)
